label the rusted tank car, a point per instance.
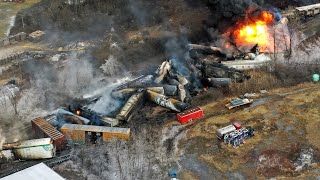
(86, 133)
(43, 129)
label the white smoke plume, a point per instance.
(49, 88)
(106, 103)
(77, 77)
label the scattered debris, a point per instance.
(304, 160)
(272, 163)
(249, 95)
(234, 134)
(107, 121)
(10, 40)
(36, 36)
(263, 91)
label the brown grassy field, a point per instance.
(286, 120)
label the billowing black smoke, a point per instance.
(225, 13)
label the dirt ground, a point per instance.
(286, 121)
(8, 10)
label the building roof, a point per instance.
(39, 171)
(306, 8)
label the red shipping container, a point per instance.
(237, 125)
(43, 129)
(190, 115)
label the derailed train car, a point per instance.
(30, 149)
(134, 102)
(85, 133)
(43, 129)
(166, 102)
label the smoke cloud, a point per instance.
(106, 104)
(55, 84)
(2, 138)
(225, 13)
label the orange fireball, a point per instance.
(256, 33)
(253, 30)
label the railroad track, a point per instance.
(57, 160)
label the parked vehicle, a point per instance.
(225, 130)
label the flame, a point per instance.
(256, 33)
(253, 30)
(78, 112)
(227, 45)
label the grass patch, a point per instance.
(259, 80)
(9, 9)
